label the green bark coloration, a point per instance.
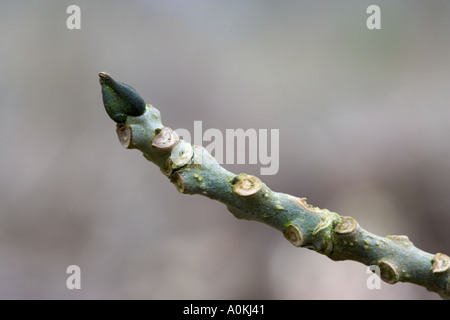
(194, 171)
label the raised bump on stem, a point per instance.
(294, 235)
(389, 272)
(165, 139)
(125, 135)
(441, 263)
(246, 185)
(178, 180)
(346, 225)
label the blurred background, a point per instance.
(364, 124)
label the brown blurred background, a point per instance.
(364, 124)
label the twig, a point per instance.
(194, 171)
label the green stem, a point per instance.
(194, 171)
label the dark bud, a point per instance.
(120, 99)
